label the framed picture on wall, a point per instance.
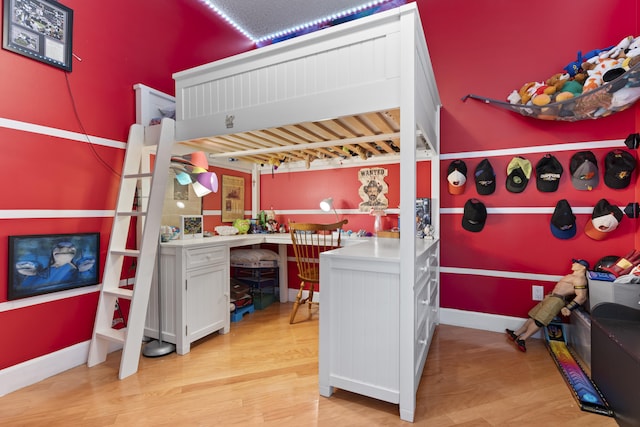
(40, 30)
(191, 226)
(232, 198)
(44, 263)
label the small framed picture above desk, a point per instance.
(232, 198)
(191, 226)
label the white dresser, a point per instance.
(360, 316)
(195, 292)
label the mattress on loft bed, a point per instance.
(253, 258)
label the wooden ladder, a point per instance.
(137, 172)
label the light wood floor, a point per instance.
(265, 372)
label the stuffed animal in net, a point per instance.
(588, 72)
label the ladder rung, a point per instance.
(139, 175)
(127, 252)
(132, 213)
(115, 335)
(120, 292)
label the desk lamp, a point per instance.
(327, 205)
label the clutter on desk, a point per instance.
(168, 232)
(226, 230)
(242, 225)
(266, 222)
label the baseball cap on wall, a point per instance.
(457, 177)
(584, 170)
(518, 174)
(605, 219)
(485, 178)
(548, 174)
(563, 221)
(618, 166)
(474, 216)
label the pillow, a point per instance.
(253, 258)
(169, 112)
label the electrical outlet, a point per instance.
(537, 293)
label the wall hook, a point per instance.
(632, 210)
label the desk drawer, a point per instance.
(200, 257)
(422, 303)
(421, 345)
(422, 264)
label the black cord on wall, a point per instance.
(84, 132)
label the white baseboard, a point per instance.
(482, 321)
(35, 370)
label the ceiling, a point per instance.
(262, 18)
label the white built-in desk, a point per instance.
(361, 312)
(195, 283)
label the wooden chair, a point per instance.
(309, 240)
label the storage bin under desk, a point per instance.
(263, 281)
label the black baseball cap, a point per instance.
(485, 178)
(563, 221)
(618, 166)
(548, 174)
(475, 215)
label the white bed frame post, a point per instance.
(419, 126)
(255, 191)
(407, 217)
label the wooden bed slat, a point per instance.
(340, 132)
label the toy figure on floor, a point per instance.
(544, 312)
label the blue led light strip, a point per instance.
(306, 27)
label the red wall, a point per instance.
(489, 48)
(120, 43)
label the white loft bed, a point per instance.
(366, 85)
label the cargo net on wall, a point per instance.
(601, 83)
